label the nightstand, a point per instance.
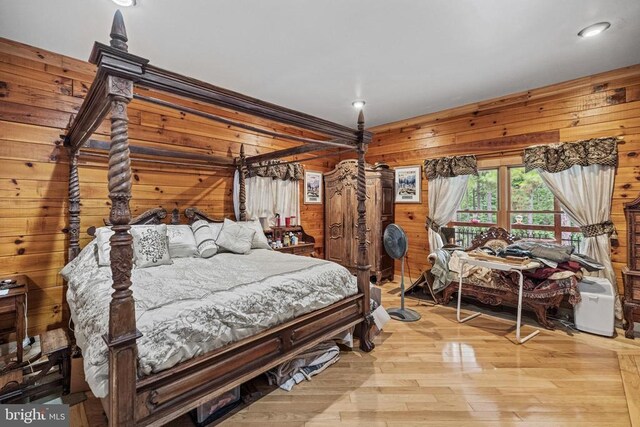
(302, 249)
(306, 246)
(15, 301)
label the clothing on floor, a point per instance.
(304, 366)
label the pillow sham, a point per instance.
(103, 234)
(182, 243)
(235, 238)
(205, 239)
(150, 245)
(259, 241)
(215, 227)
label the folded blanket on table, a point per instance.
(550, 254)
(478, 273)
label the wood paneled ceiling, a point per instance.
(405, 57)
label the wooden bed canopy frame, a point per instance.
(160, 397)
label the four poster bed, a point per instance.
(161, 396)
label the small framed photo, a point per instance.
(312, 187)
(408, 180)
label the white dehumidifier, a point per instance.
(595, 313)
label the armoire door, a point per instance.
(337, 239)
(387, 217)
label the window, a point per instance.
(515, 200)
(479, 208)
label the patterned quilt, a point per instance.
(196, 305)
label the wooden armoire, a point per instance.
(631, 272)
(341, 216)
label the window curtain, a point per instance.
(448, 178)
(271, 189)
(287, 199)
(581, 176)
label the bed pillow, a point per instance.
(103, 234)
(182, 243)
(150, 245)
(215, 227)
(235, 238)
(260, 241)
(205, 239)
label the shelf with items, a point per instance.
(304, 243)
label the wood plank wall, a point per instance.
(606, 104)
(39, 92)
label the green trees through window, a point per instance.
(480, 203)
(529, 210)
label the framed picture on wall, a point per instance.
(408, 180)
(312, 187)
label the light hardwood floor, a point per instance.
(438, 372)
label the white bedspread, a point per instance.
(197, 305)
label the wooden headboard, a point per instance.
(495, 236)
(195, 214)
(158, 215)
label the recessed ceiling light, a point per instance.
(358, 104)
(594, 30)
(125, 3)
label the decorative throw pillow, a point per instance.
(235, 238)
(215, 227)
(103, 234)
(260, 241)
(182, 244)
(205, 239)
(150, 245)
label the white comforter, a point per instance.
(196, 305)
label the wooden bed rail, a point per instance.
(173, 157)
(333, 143)
(173, 391)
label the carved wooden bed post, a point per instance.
(74, 205)
(242, 197)
(363, 266)
(122, 335)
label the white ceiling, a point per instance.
(405, 57)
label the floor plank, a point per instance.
(630, 372)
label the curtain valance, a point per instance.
(448, 167)
(274, 169)
(558, 157)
